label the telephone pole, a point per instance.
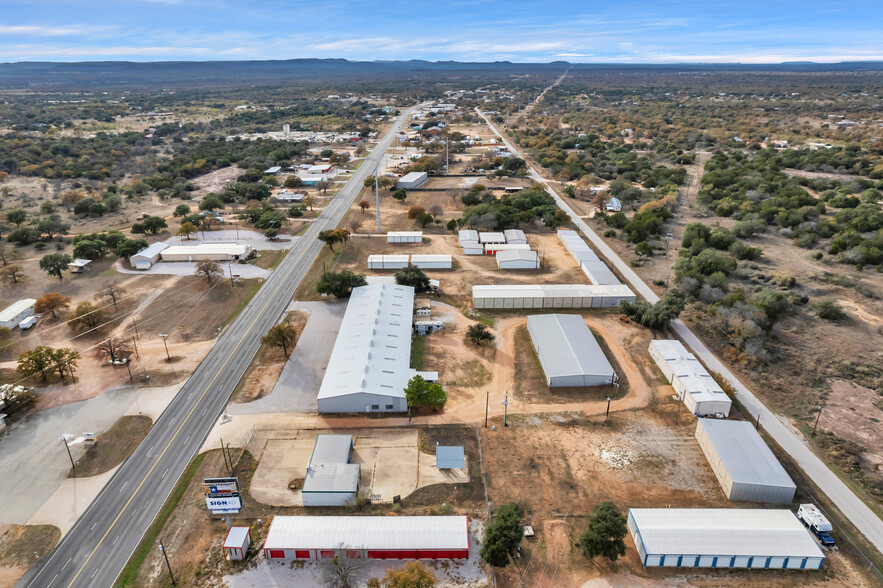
(377, 196)
(162, 549)
(506, 409)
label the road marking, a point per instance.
(149, 451)
(115, 540)
(65, 565)
(53, 579)
(206, 408)
(93, 573)
(124, 485)
(294, 265)
(187, 439)
(164, 474)
(92, 528)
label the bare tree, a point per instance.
(112, 293)
(210, 270)
(113, 349)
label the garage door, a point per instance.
(670, 561)
(302, 554)
(277, 554)
(653, 560)
(794, 563)
(689, 561)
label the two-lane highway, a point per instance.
(98, 546)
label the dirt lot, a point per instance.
(21, 546)
(113, 446)
(267, 365)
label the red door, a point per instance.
(277, 554)
(302, 554)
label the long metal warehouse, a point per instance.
(431, 261)
(219, 251)
(369, 366)
(568, 351)
(367, 537)
(695, 386)
(404, 237)
(550, 296)
(745, 467)
(588, 261)
(386, 262)
(723, 538)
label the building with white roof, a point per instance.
(215, 251)
(743, 464)
(147, 256)
(412, 180)
(515, 236)
(568, 351)
(331, 479)
(367, 537)
(468, 236)
(431, 261)
(236, 542)
(697, 388)
(404, 237)
(388, 262)
(549, 296)
(588, 261)
(518, 259)
(370, 364)
(17, 312)
(491, 237)
(723, 538)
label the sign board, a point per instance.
(228, 504)
(220, 486)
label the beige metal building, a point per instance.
(220, 251)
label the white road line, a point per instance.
(164, 473)
(149, 451)
(50, 583)
(187, 439)
(92, 528)
(205, 410)
(124, 485)
(93, 573)
(117, 539)
(65, 565)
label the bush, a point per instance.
(617, 220)
(656, 315)
(830, 311)
(610, 233)
(503, 535)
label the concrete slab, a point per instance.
(69, 501)
(186, 268)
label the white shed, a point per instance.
(515, 236)
(147, 256)
(518, 259)
(549, 296)
(78, 266)
(494, 248)
(472, 248)
(468, 236)
(236, 542)
(215, 251)
(404, 237)
(331, 479)
(16, 312)
(694, 385)
(491, 237)
(386, 262)
(412, 180)
(431, 261)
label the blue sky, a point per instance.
(634, 31)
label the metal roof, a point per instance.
(368, 532)
(549, 291)
(394, 258)
(332, 449)
(690, 372)
(566, 346)
(224, 247)
(595, 269)
(372, 353)
(491, 237)
(332, 477)
(236, 537)
(468, 235)
(80, 262)
(517, 255)
(151, 250)
(404, 234)
(16, 308)
(744, 454)
(450, 457)
(723, 531)
(430, 257)
(413, 176)
(514, 234)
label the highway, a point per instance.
(97, 548)
(852, 507)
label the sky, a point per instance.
(587, 31)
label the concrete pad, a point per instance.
(395, 472)
(69, 501)
(282, 461)
(428, 474)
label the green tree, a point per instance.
(605, 533)
(503, 535)
(16, 216)
(181, 210)
(656, 315)
(154, 224)
(419, 392)
(283, 335)
(773, 304)
(401, 194)
(479, 333)
(24, 236)
(210, 202)
(86, 317)
(209, 269)
(53, 225)
(90, 249)
(12, 274)
(293, 182)
(270, 219)
(36, 361)
(413, 575)
(330, 237)
(65, 360)
(340, 284)
(452, 225)
(411, 275)
(423, 219)
(55, 263)
(129, 247)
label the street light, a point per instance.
(607, 414)
(165, 336)
(506, 409)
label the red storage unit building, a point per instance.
(370, 537)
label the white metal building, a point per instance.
(331, 479)
(588, 261)
(743, 464)
(367, 537)
(491, 237)
(78, 266)
(494, 248)
(369, 366)
(723, 538)
(404, 237)
(568, 351)
(215, 251)
(468, 236)
(236, 542)
(518, 259)
(472, 248)
(431, 261)
(147, 256)
(386, 262)
(515, 236)
(412, 180)
(694, 385)
(550, 296)
(17, 312)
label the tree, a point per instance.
(129, 247)
(113, 349)
(411, 275)
(605, 533)
(340, 284)
(479, 333)
(85, 317)
(112, 293)
(401, 194)
(13, 274)
(423, 219)
(53, 225)
(656, 315)
(24, 236)
(16, 216)
(503, 535)
(210, 270)
(139, 229)
(51, 302)
(283, 335)
(55, 263)
(186, 230)
(419, 392)
(323, 185)
(364, 205)
(7, 254)
(181, 210)
(414, 211)
(154, 224)
(330, 237)
(37, 361)
(452, 225)
(211, 202)
(342, 571)
(17, 397)
(293, 182)
(829, 310)
(413, 575)
(65, 360)
(90, 249)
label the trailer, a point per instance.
(813, 519)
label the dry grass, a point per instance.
(113, 446)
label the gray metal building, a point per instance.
(331, 479)
(568, 352)
(743, 464)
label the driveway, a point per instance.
(187, 268)
(299, 383)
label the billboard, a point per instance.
(227, 504)
(220, 486)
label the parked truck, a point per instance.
(815, 521)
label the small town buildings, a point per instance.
(321, 168)
(369, 366)
(367, 537)
(518, 259)
(613, 205)
(568, 351)
(515, 236)
(743, 464)
(331, 479)
(494, 248)
(16, 312)
(78, 266)
(495, 238)
(272, 171)
(697, 388)
(723, 538)
(550, 296)
(387, 262)
(237, 542)
(412, 180)
(148, 256)
(215, 251)
(404, 237)
(588, 261)
(431, 261)
(450, 457)
(312, 179)
(286, 197)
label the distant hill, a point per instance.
(48, 75)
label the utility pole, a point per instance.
(818, 416)
(131, 379)
(224, 453)
(135, 326)
(487, 405)
(607, 414)
(506, 409)
(377, 195)
(447, 160)
(165, 336)
(162, 549)
(71, 457)
(230, 269)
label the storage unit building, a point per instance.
(369, 366)
(743, 464)
(412, 180)
(236, 542)
(386, 262)
(147, 256)
(404, 237)
(550, 296)
(431, 261)
(450, 457)
(216, 251)
(694, 385)
(568, 351)
(494, 248)
(515, 236)
(723, 538)
(331, 479)
(518, 259)
(588, 261)
(16, 312)
(614, 205)
(367, 537)
(468, 236)
(491, 237)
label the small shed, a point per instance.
(518, 259)
(431, 261)
(427, 327)
(147, 256)
(386, 262)
(494, 248)
(412, 180)
(472, 248)
(468, 236)
(16, 312)
(272, 171)
(614, 205)
(237, 542)
(491, 237)
(515, 236)
(450, 457)
(78, 266)
(404, 237)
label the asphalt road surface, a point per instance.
(852, 507)
(98, 546)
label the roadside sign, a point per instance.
(220, 486)
(229, 504)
